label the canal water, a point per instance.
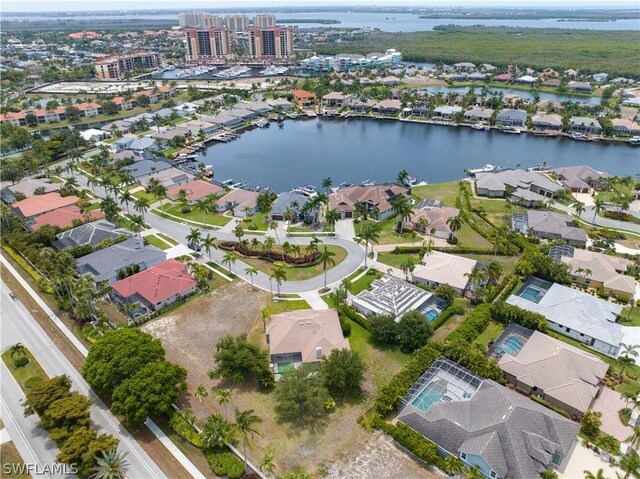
(306, 151)
(525, 94)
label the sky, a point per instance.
(77, 5)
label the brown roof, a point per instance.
(195, 190)
(64, 217)
(304, 331)
(36, 205)
(379, 196)
(242, 197)
(436, 217)
(87, 105)
(55, 111)
(303, 94)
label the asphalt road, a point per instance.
(19, 326)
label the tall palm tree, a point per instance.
(579, 207)
(126, 197)
(110, 465)
(216, 433)
(160, 192)
(209, 243)
(598, 207)
(326, 258)
(273, 225)
(268, 244)
(203, 206)
(455, 223)
(630, 463)
(407, 267)
(327, 183)
(223, 396)
(267, 464)
(229, 258)
(403, 177)
(371, 234)
(201, 394)
(137, 223)
(280, 275)
(245, 427)
(194, 237)
(18, 349)
(251, 271)
(332, 216)
(141, 205)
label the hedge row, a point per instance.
(473, 326)
(547, 404)
(509, 279)
(351, 313)
(185, 430)
(453, 309)
(507, 313)
(506, 291)
(225, 464)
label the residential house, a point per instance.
(377, 198)
(144, 168)
(580, 179)
(575, 314)
(566, 377)
(547, 122)
(222, 120)
(388, 107)
(336, 99)
(50, 115)
(289, 201)
(258, 106)
(16, 118)
(156, 287)
(92, 135)
(549, 225)
(478, 115)
(26, 188)
(40, 204)
(526, 80)
(503, 77)
(104, 264)
(304, 99)
(281, 104)
(446, 112)
(91, 234)
(194, 191)
(580, 86)
(168, 177)
(549, 106)
(510, 117)
(552, 82)
(591, 269)
(476, 76)
(362, 106)
(163, 138)
(62, 218)
(464, 67)
(123, 103)
(439, 268)
(303, 337)
(88, 109)
(432, 220)
(241, 202)
(626, 127)
(600, 77)
(581, 124)
(146, 143)
(507, 183)
(123, 126)
(489, 427)
(390, 296)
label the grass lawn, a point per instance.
(143, 194)
(276, 307)
(453, 322)
(388, 234)
(445, 192)
(171, 152)
(11, 462)
(467, 236)
(396, 260)
(112, 313)
(168, 238)
(363, 283)
(157, 242)
(22, 374)
(508, 262)
(210, 219)
(490, 334)
(258, 222)
(330, 300)
(382, 361)
(296, 274)
(631, 318)
(222, 269)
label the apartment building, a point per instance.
(271, 42)
(191, 19)
(207, 44)
(237, 23)
(264, 20)
(115, 67)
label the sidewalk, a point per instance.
(314, 300)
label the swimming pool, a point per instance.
(532, 294)
(512, 345)
(431, 314)
(520, 225)
(427, 398)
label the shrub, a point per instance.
(185, 430)
(446, 292)
(345, 325)
(185, 210)
(225, 463)
(473, 326)
(590, 423)
(351, 313)
(32, 381)
(508, 313)
(384, 329)
(414, 442)
(547, 404)
(609, 444)
(20, 362)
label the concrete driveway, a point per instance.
(583, 459)
(609, 403)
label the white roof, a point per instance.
(445, 268)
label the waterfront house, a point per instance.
(420, 109)
(497, 184)
(552, 82)
(432, 221)
(590, 269)
(510, 117)
(526, 80)
(156, 287)
(123, 126)
(546, 122)
(40, 204)
(195, 127)
(88, 109)
(303, 337)
(241, 203)
(581, 124)
(104, 264)
(549, 106)
(377, 198)
(336, 99)
(626, 127)
(222, 120)
(390, 296)
(289, 201)
(124, 104)
(164, 137)
(488, 68)
(26, 188)
(600, 77)
(16, 118)
(62, 218)
(439, 268)
(168, 177)
(580, 179)
(281, 104)
(144, 168)
(388, 107)
(91, 234)
(536, 364)
(92, 135)
(194, 191)
(362, 106)
(549, 225)
(446, 112)
(50, 115)
(503, 77)
(464, 67)
(478, 114)
(476, 76)
(257, 106)
(575, 314)
(304, 99)
(490, 428)
(146, 143)
(580, 86)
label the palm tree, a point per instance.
(267, 464)
(579, 207)
(110, 465)
(327, 183)
(251, 271)
(137, 223)
(160, 192)
(216, 433)
(403, 177)
(625, 361)
(245, 427)
(229, 258)
(18, 349)
(630, 349)
(494, 270)
(407, 267)
(273, 225)
(591, 475)
(630, 463)
(209, 243)
(126, 197)
(194, 237)
(201, 394)
(203, 206)
(326, 257)
(403, 211)
(280, 275)
(332, 216)
(268, 244)
(455, 223)
(371, 234)
(141, 205)
(223, 396)
(598, 207)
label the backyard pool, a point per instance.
(431, 315)
(532, 294)
(512, 345)
(428, 397)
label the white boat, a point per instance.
(409, 181)
(511, 129)
(307, 190)
(479, 126)
(634, 140)
(580, 137)
(484, 169)
(536, 168)
(262, 123)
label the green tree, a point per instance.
(245, 427)
(267, 463)
(41, 395)
(150, 392)
(413, 331)
(110, 464)
(370, 234)
(239, 360)
(216, 433)
(65, 414)
(384, 329)
(455, 223)
(342, 372)
(18, 349)
(82, 447)
(223, 396)
(590, 423)
(280, 275)
(301, 397)
(591, 475)
(549, 474)
(251, 271)
(201, 395)
(446, 292)
(229, 258)
(326, 258)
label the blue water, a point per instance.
(431, 315)
(532, 294)
(512, 345)
(525, 94)
(426, 398)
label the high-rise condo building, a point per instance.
(264, 20)
(204, 45)
(237, 23)
(116, 67)
(271, 42)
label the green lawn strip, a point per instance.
(631, 318)
(112, 313)
(490, 334)
(296, 273)
(157, 242)
(330, 300)
(276, 306)
(445, 192)
(222, 269)
(143, 194)
(467, 236)
(171, 152)
(396, 260)
(22, 374)
(388, 234)
(212, 219)
(363, 283)
(382, 361)
(168, 239)
(255, 222)
(508, 262)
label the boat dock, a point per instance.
(225, 136)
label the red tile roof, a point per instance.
(503, 76)
(165, 89)
(13, 115)
(43, 112)
(87, 106)
(157, 283)
(64, 217)
(195, 190)
(39, 204)
(303, 94)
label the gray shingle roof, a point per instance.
(89, 233)
(284, 201)
(146, 167)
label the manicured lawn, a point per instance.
(171, 152)
(445, 192)
(168, 238)
(258, 222)
(363, 283)
(157, 242)
(210, 219)
(388, 234)
(112, 313)
(276, 307)
(453, 322)
(396, 260)
(22, 374)
(631, 318)
(143, 194)
(330, 300)
(296, 274)
(508, 262)
(490, 334)
(467, 236)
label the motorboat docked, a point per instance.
(368, 182)
(274, 70)
(485, 169)
(306, 190)
(233, 72)
(511, 129)
(262, 123)
(537, 168)
(409, 181)
(634, 140)
(480, 127)
(580, 137)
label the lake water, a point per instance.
(389, 22)
(303, 152)
(526, 94)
